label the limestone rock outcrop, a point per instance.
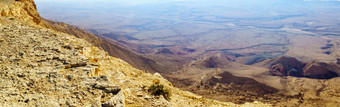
(25, 10)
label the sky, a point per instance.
(120, 15)
(127, 2)
(283, 3)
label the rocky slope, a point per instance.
(26, 10)
(43, 67)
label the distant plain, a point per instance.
(238, 28)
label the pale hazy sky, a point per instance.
(127, 2)
(118, 1)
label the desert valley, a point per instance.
(221, 52)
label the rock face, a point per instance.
(43, 67)
(289, 66)
(25, 10)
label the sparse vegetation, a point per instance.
(158, 89)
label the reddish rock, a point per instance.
(285, 66)
(315, 70)
(289, 66)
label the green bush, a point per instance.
(158, 89)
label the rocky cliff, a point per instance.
(40, 66)
(25, 10)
